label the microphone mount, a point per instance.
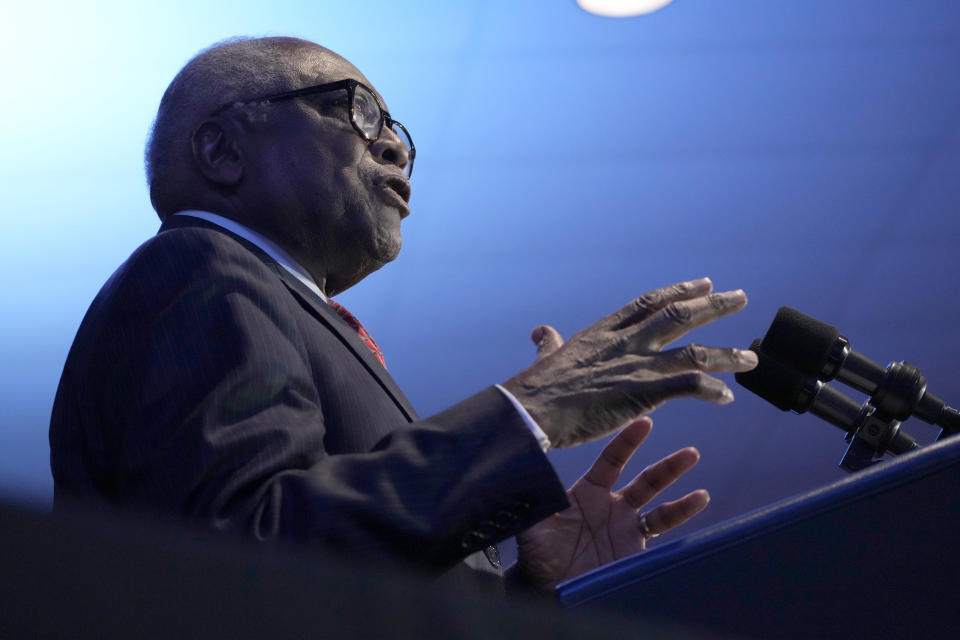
(871, 438)
(869, 432)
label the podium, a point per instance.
(872, 555)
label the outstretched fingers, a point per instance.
(672, 514)
(608, 466)
(691, 384)
(651, 481)
(676, 319)
(643, 307)
(696, 357)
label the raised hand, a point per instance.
(603, 525)
(615, 370)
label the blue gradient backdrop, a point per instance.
(807, 151)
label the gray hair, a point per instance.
(234, 69)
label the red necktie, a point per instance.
(361, 332)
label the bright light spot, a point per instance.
(621, 8)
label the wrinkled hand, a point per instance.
(615, 371)
(602, 526)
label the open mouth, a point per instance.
(398, 185)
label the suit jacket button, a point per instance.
(493, 556)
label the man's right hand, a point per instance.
(615, 370)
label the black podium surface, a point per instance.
(873, 555)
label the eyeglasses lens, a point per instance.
(369, 119)
(366, 113)
(405, 139)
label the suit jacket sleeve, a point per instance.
(190, 389)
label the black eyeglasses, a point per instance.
(367, 116)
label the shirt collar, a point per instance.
(268, 246)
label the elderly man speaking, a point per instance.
(214, 378)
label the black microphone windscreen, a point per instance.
(800, 341)
(773, 381)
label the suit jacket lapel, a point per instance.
(348, 335)
(319, 309)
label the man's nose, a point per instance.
(389, 149)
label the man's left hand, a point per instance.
(602, 525)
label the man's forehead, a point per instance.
(319, 65)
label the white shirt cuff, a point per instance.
(530, 422)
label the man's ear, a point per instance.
(217, 153)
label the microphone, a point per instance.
(817, 350)
(790, 390)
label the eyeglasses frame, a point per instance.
(351, 86)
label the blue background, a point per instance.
(807, 151)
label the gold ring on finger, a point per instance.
(645, 528)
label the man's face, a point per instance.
(325, 194)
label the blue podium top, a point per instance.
(873, 552)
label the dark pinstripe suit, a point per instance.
(206, 381)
